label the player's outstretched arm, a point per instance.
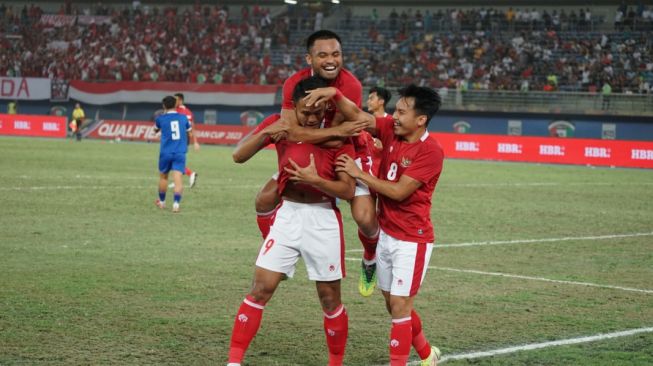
(250, 145)
(397, 191)
(342, 188)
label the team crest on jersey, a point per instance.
(332, 268)
(405, 162)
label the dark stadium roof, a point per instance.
(372, 3)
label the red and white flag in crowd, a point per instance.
(151, 92)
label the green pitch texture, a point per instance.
(92, 273)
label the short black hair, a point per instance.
(169, 102)
(180, 96)
(308, 84)
(382, 93)
(321, 34)
(427, 100)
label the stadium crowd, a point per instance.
(528, 49)
(523, 61)
(195, 45)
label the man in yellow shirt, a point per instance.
(12, 107)
(78, 120)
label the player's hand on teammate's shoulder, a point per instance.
(345, 164)
(319, 95)
(351, 128)
(278, 130)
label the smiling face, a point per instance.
(408, 123)
(325, 58)
(310, 117)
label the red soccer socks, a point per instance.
(336, 325)
(400, 341)
(422, 346)
(246, 324)
(264, 221)
(369, 244)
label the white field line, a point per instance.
(543, 279)
(88, 187)
(534, 346)
(526, 241)
(543, 184)
(531, 278)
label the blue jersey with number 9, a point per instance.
(174, 127)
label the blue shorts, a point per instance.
(174, 161)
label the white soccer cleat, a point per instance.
(433, 358)
(193, 179)
(160, 204)
(175, 207)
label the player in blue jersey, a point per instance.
(175, 134)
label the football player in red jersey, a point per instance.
(181, 108)
(308, 224)
(410, 169)
(324, 55)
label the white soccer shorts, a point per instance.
(361, 188)
(401, 265)
(312, 231)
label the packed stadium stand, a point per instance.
(472, 49)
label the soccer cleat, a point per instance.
(367, 279)
(193, 179)
(433, 358)
(175, 207)
(160, 204)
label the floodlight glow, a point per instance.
(292, 2)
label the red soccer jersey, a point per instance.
(186, 112)
(325, 161)
(369, 154)
(346, 82)
(410, 219)
(300, 153)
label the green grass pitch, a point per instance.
(92, 273)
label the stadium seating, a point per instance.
(529, 50)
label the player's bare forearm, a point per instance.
(313, 135)
(397, 191)
(351, 112)
(249, 146)
(342, 188)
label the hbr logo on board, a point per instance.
(506, 148)
(553, 150)
(468, 146)
(22, 125)
(597, 152)
(50, 126)
(641, 154)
